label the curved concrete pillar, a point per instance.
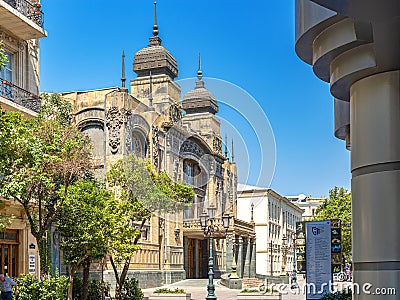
(375, 164)
(342, 121)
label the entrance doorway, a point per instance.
(9, 253)
(196, 258)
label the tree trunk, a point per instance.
(85, 285)
(71, 282)
(43, 251)
(117, 280)
(120, 279)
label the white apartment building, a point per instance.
(307, 203)
(275, 220)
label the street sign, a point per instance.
(32, 264)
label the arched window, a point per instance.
(191, 170)
(138, 145)
(96, 135)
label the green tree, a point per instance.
(140, 191)
(338, 206)
(84, 225)
(39, 160)
(10, 125)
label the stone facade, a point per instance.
(149, 121)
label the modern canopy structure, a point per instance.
(354, 45)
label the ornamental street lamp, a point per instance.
(285, 250)
(294, 284)
(211, 227)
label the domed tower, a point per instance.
(155, 64)
(201, 106)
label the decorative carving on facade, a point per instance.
(217, 144)
(114, 120)
(156, 146)
(189, 146)
(138, 121)
(175, 113)
(128, 138)
(219, 170)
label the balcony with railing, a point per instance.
(22, 18)
(10, 95)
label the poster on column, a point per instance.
(318, 258)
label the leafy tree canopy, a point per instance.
(39, 159)
(338, 206)
(84, 222)
(140, 192)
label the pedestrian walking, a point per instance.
(6, 284)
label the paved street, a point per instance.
(198, 289)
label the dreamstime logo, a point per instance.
(192, 150)
(326, 287)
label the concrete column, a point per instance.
(239, 260)
(375, 164)
(253, 259)
(229, 253)
(246, 267)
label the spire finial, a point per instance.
(226, 145)
(155, 26)
(233, 153)
(151, 92)
(252, 213)
(199, 72)
(123, 79)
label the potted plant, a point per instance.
(165, 293)
(259, 294)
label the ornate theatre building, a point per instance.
(180, 135)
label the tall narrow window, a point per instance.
(6, 74)
(6, 71)
(137, 145)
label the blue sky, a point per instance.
(249, 44)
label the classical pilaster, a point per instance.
(196, 259)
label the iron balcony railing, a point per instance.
(19, 95)
(30, 10)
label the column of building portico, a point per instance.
(247, 260)
(229, 252)
(252, 265)
(239, 259)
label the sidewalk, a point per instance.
(198, 289)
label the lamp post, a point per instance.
(285, 250)
(271, 245)
(294, 284)
(211, 226)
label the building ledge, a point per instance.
(22, 19)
